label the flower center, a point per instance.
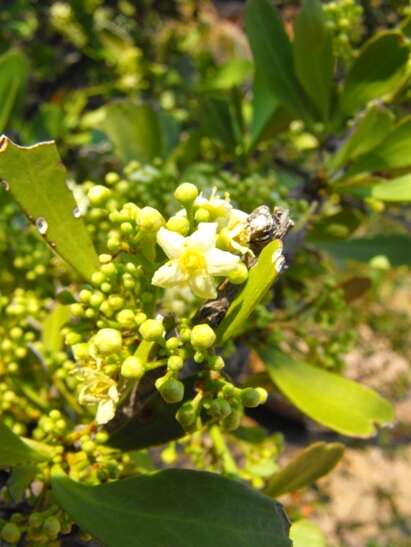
(192, 260)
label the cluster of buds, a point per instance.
(151, 262)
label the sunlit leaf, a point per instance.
(313, 55)
(305, 533)
(336, 402)
(174, 508)
(14, 451)
(260, 279)
(378, 69)
(273, 55)
(310, 464)
(52, 334)
(14, 69)
(36, 178)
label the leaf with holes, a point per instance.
(36, 178)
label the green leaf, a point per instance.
(378, 70)
(153, 421)
(52, 334)
(174, 508)
(305, 533)
(369, 130)
(262, 275)
(136, 131)
(229, 74)
(36, 178)
(19, 480)
(396, 247)
(310, 464)
(269, 118)
(273, 55)
(395, 190)
(391, 153)
(340, 404)
(313, 55)
(14, 451)
(217, 120)
(14, 69)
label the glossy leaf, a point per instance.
(174, 508)
(20, 478)
(335, 402)
(313, 55)
(52, 333)
(36, 178)
(261, 276)
(396, 247)
(369, 130)
(391, 153)
(14, 70)
(14, 451)
(136, 131)
(269, 118)
(378, 69)
(310, 464)
(395, 190)
(305, 533)
(273, 55)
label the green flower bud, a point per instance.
(10, 533)
(186, 193)
(52, 527)
(111, 178)
(150, 220)
(180, 225)
(152, 330)
(202, 215)
(219, 408)
(232, 421)
(108, 341)
(251, 397)
(126, 318)
(140, 318)
(175, 363)
(132, 367)
(186, 415)
(202, 336)
(98, 195)
(170, 389)
(239, 275)
(173, 343)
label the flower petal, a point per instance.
(202, 285)
(205, 236)
(105, 411)
(171, 242)
(168, 275)
(220, 262)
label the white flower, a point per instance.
(194, 260)
(99, 389)
(219, 209)
(235, 235)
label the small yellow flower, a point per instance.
(101, 390)
(194, 260)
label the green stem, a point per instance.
(222, 451)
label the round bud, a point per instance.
(239, 274)
(126, 318)
(10, 533)
(180, 225)
(98, 195)
(175, 363)
(232, 421)
(202, 215)
(152, 330)
(251, 397)
(150, 220)
(186, 193)
(170, 389)
(219, 408)
(108, 341)
(173, 343)
(51, 527)
(186, 415)
(202, 336)
(132, 367)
